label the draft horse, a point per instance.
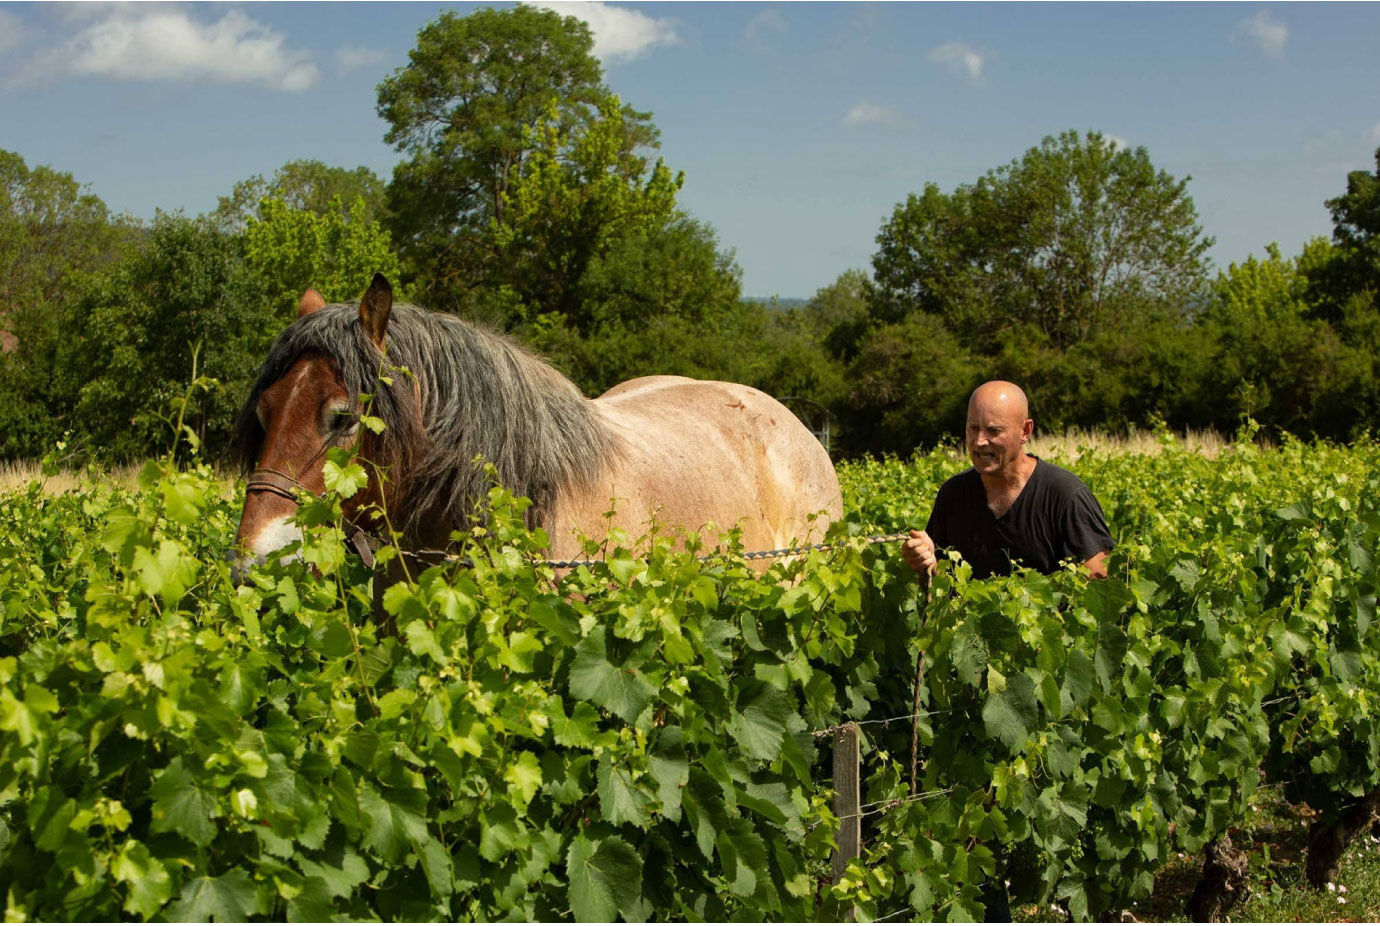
(666, 450)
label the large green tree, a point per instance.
(129, 341)
(464, 112)
(50, 229)
(1077, 234)
(304, 186)
(335, 252)
(53, 235)
(590, 233)
(1343, 287)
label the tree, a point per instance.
(464, 111)
(53, 235)
(335, 252)
(1075, 235)
(128, 342)
(1275, 360)
(908, 386)
(1346, 281)
(839, 315)
(304, 185)
(591, 233)
(49, 230)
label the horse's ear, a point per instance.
(374, 309)
(311, 301)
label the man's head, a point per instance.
(998, 426)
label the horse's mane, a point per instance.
(471, 393)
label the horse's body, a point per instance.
(691, 453)
(678, 454)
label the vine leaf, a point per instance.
(1010, 713)
(759, 725)
(230, 898)
(605, 877)
(593, 678)
(620, 799)
(179, 806)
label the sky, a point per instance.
(799, 126)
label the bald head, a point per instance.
(1006, 399)
(998, 426)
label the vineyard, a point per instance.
(648, 738)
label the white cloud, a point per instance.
(1265, 32)
(865, 113)
(12, 32)
(762, 26)
(163, 43)
(353, 57)
(1118, 143)
(1373, 136)
(960, 58)
(619, 33)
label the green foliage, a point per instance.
(636, 741)
(1275, 361)
(908, 385)
(573, 202)
(303, 185)
(50, 229)
(52, 236)
(131, 341)
(106, 351)
(192, 750)
(1094, 730)
(1075, 236)
(1353, 273)
(336, 252)
(463, 112)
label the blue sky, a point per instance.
(799, 126)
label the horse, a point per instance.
(680, 454)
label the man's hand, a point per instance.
(1097, 566)
(918, 552)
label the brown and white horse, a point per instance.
(681, 453)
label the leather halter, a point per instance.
(277, 483)
(290, 487)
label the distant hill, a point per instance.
(780, 302)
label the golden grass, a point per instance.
(1073, 443)
(16, 475)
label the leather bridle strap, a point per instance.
(286, 486)
(277, 483)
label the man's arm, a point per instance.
(918, 550)
(1086, 537)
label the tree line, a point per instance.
(532, 199)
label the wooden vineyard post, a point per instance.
(846, 798)
(923, 603)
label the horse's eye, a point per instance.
(342, 421)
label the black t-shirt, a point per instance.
(1055, 519)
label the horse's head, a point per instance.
(288, 426)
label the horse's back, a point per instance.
(696, 452)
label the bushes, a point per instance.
(638, 742)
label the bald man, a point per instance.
(1011, 509)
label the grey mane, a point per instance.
(470, 394)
